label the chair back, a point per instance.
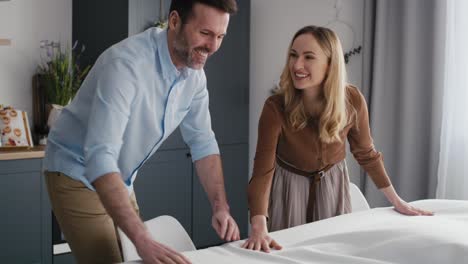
(164, 229)
(358, 201)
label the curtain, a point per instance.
(453, 159)
(405, 94)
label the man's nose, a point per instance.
(213, 44)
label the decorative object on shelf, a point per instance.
(344, 30)
(61, 72)
(5, 42)
(39, 102)
(351, 53)
(58, 78)
(14, 129)
(162, 21)
(54, 111)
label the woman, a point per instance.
(300, 172)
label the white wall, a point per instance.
(26, 23)
(273, 23)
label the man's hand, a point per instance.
(225, 226)
(153, 252)
(114, 197)
(210, 172)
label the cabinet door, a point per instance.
(20, 202)
(163, 187)
(235, 170)
(174, 141)
(227, 73)
(64, 259)
(98, 25)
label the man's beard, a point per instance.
(183, 52)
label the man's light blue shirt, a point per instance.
(130, 102)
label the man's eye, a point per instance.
(204, 33)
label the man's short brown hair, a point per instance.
(184, 7)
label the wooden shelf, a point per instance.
(30, 153)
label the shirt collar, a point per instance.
(168, 69)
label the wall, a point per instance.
(273, 23)
(143, 13)
(26, 23)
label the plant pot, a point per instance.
(54, 114)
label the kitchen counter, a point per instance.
(23, 153)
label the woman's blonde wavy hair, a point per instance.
(335, 115)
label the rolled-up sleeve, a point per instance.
(196, 126)
(361, 143)
(110, 112)
(269, 130)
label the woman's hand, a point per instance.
(400, 205)
(259, 238)
(404, 208)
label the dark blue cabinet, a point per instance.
(235, 162)
(163, 186)
(25, 213)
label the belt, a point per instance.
(314, 178)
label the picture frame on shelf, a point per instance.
(15, 132)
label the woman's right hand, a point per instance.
(259, 238)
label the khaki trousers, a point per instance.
(88, 229)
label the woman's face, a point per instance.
(308, 64)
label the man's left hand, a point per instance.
(225, 226)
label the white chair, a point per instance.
(358, 201)
(164, 229)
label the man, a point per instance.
(137, 93)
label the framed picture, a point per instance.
(14, 128)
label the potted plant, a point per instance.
(61, 76)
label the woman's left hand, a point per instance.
(400, 205)
(405, 208)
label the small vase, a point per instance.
(54, 114)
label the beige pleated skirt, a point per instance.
(290, 194)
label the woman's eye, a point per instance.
(293, 55)
(310, 57)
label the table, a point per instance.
(379, 235)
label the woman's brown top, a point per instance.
(305, 151)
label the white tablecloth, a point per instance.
(379, 235)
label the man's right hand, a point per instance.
(114, 197)
(259, 238)
(153, 252)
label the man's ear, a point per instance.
(174, 20)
